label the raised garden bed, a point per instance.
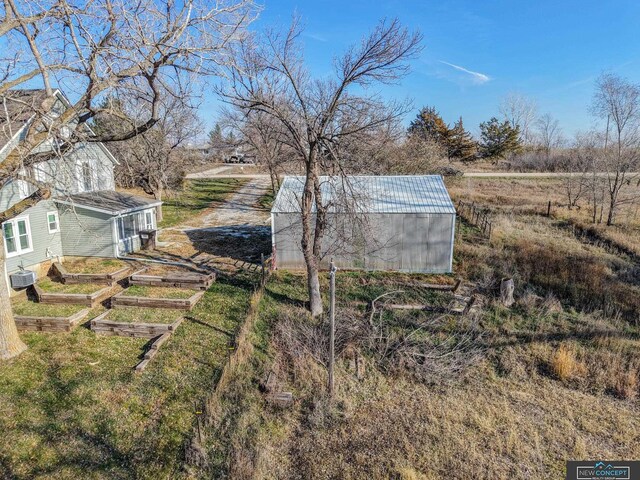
(35, 317)
(52, 292)
(172, 277)
(102, 271)
(156, 297)
(142, 323)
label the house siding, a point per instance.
(41, 239)
(86, 233)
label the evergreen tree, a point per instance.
(499, 139)
(215, 136)
(462, 146)
(429, 125)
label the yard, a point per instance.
(508, 392)
(504, 393)
(197, 195)
(72, 407)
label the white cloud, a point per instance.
(477, 77)
(316, 36)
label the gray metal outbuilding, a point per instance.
(401, 223)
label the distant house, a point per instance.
(85, 215)
(401, 223)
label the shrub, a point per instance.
(564, 364)
(626, 386)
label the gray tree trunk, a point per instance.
(10, 343)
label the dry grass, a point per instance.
(165, 270)
(145, 315)
(26, 307)
(563, 363)
(550, 369)
(158, 292)
(51, 286)
(93, 265)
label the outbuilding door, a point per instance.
(414, 242)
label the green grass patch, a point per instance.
(144, 315)
(158, 292)
(50, 286)
(71, 406)
(265, 202)
(33, 309)
(94, 265)
(195, 197)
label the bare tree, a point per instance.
(146, 50)
(520, 111)
(319, 118)
(617, 101)
(263, 138)
(155, 159)
(582, 167)
(548, 134)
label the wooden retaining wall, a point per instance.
(90, 300)
(193, 281)
(32, 323)
(153, 351)
(120, 300)
(101, 325)
(100, 278)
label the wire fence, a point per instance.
(477, 216)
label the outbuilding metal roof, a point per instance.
(371, 194)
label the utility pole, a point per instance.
(332, 317)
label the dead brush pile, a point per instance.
(428, 348)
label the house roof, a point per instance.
(109, 202)
(17, 107)
(371, 194)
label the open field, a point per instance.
(523, 389)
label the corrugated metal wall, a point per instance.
(86, 233)
(421, 243)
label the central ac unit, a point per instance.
(23, 278)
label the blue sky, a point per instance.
(478, 51)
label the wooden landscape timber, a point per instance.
(37, 323)
(90, 300)
(101, 325)
(67, 277)
(195, 281)
(121, 300)
(154, 348)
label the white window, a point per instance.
(53, 222)
(148, 219)
(17, 236)
(87, 183)
(128, 226)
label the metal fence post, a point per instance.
(332, 320)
